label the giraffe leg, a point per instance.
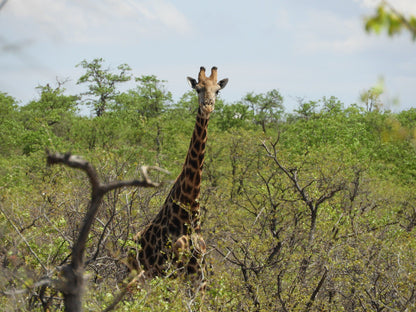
(189, 251)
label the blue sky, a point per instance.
(305, 49)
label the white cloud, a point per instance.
(407, 7)
(368, 3)
(315, 30)
(92, 21)
(283, 19)
(167, 14)
(326, 31)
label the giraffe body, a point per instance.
(174, 235)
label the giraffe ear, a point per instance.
(223, 83)
(192, 82)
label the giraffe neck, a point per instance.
(187, 186)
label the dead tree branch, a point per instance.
(2, 3)
(72, 280)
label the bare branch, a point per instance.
(317, 289)
(24, 239)
(279, 291)
(43, 282)
(71, 285)
(2, 3)
(292, 174)
(77, 162)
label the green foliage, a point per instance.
(306, 109)
(266, 108)
(102, 84)
(371, 98)
(47, 118)
(186, 105)
(236, 115)
(149, 99)
(10, 127)
(387, 18)
(302, 212)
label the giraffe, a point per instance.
(175, 233)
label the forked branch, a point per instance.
(71, 283)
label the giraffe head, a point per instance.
(207, 89)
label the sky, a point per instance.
(304, 49)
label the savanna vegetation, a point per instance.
(302, 211)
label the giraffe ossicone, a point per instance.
(174, 235)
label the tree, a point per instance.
(10, 126)
(387, 17)
(187, 104)
(49, 116)
(306, 109)
(52, 106)
(102, 84)
(233, 115)
(371, 97)
(267, 107)
(332, 105)
(148, 99)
